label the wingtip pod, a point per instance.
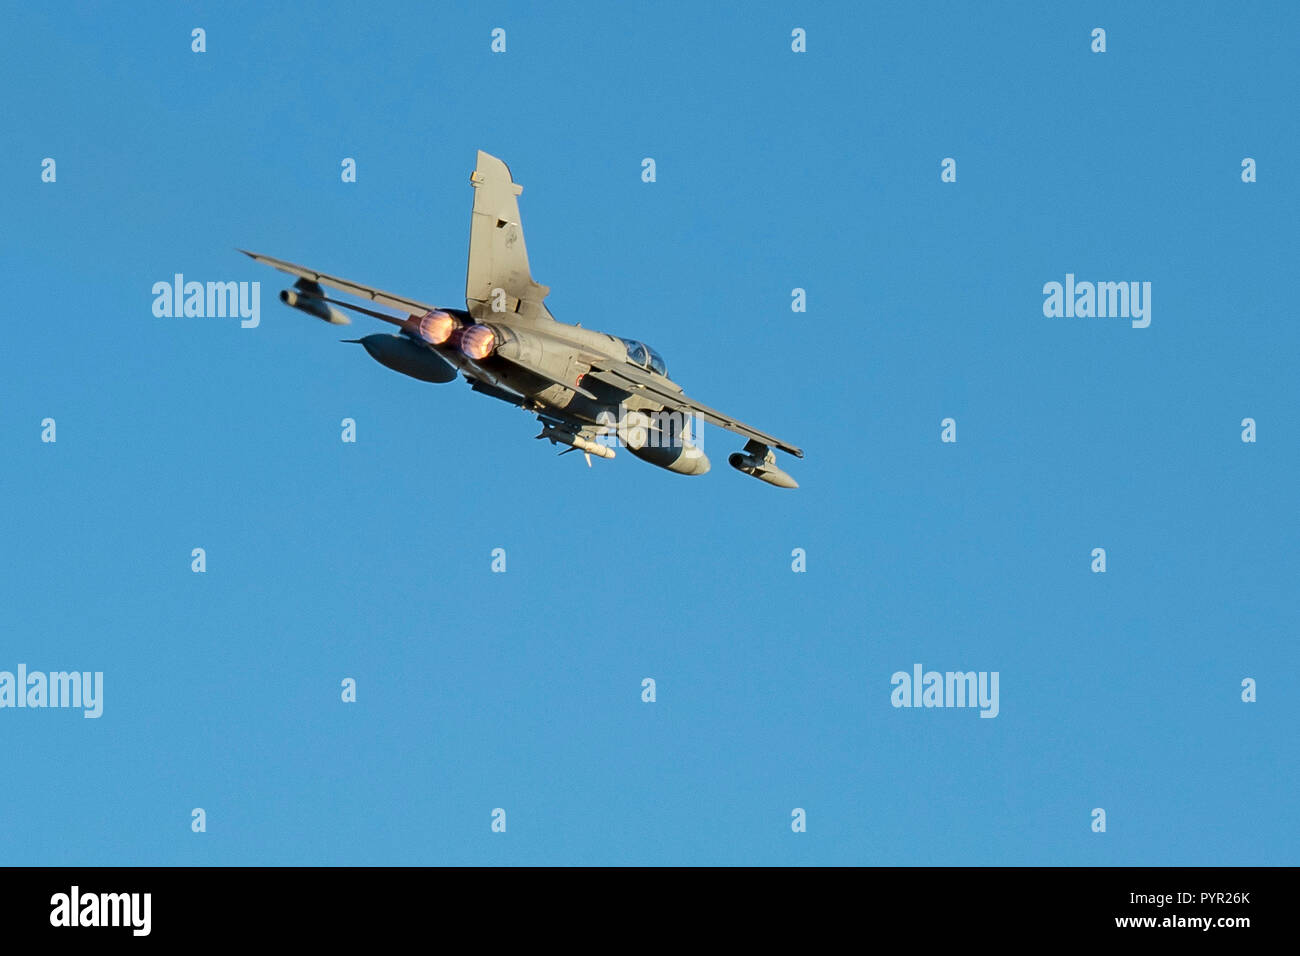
(306, 296)
(776, 476)
(762, 467)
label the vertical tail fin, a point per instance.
(498, 259)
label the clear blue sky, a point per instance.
(522, 690)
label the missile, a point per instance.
(559, 436)
(410, 358)
(306, 296)
(591, 447)
(763, 468)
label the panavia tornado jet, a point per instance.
(589, 390)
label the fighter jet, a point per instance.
(590, 391)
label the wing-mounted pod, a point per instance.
(760, 461)
(307, 296)
(663, 439)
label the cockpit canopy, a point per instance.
(638, 353)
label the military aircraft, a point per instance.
(589, 390)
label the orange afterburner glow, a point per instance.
(478, 341)
(435, 327)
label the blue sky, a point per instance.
(522, 690)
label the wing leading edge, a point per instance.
(633, 380)
(399, 302)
